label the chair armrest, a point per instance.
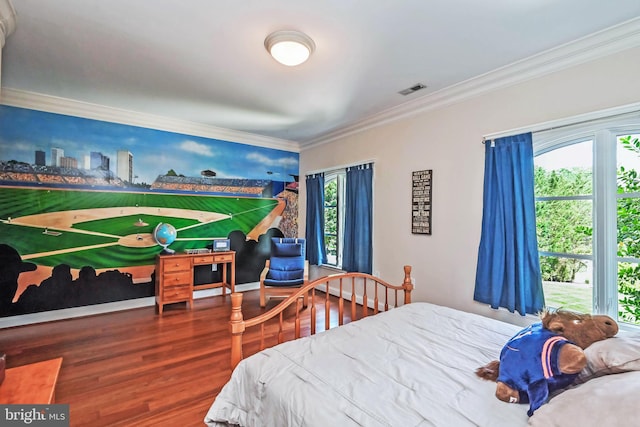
(265, 270)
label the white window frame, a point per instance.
(603, 133)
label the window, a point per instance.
(340, 218)
(564, 207)
(587, 187)
(334, 199)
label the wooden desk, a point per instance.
(174, 276)
(31, 384)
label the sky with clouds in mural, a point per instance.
(155, 152)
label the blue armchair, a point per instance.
(285, 271)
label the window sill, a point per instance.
(332, 267)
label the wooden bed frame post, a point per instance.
(236, 327)
(407, 285)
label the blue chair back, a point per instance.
(286, 265)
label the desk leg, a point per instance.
(224, 279)
(233, 277)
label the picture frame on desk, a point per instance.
(221, 245)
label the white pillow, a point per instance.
(611, 356)
(611, 400)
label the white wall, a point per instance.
(7, 25)
(448, 140)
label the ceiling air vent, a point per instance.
(412, 89)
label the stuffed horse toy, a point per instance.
(546, 356)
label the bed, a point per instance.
(409, 365)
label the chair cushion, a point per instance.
(283, 283)
(286, 249)
(286, 267)
(282, 268)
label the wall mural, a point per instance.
(80, 198)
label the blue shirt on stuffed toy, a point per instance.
(529, 364)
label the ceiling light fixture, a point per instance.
(289, 47)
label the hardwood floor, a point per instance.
(135, 368)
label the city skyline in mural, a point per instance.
(72, 140)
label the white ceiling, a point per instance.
(204, 61)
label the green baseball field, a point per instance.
(113, 230)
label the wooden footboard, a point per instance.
(364, 293)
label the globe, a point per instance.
(165, 234)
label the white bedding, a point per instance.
(414, 367)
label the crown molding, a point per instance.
(613, 113)
(594, 46)
(53, 104)
(7, 20)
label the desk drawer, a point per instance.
(178, 264)
(222, 258)
(205, 259)
(177, 278)
(176, 293)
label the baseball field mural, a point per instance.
(80, 198)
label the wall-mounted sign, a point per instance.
(421, 182)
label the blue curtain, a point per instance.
(357, 253)
(508, 272)
(316, 252)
